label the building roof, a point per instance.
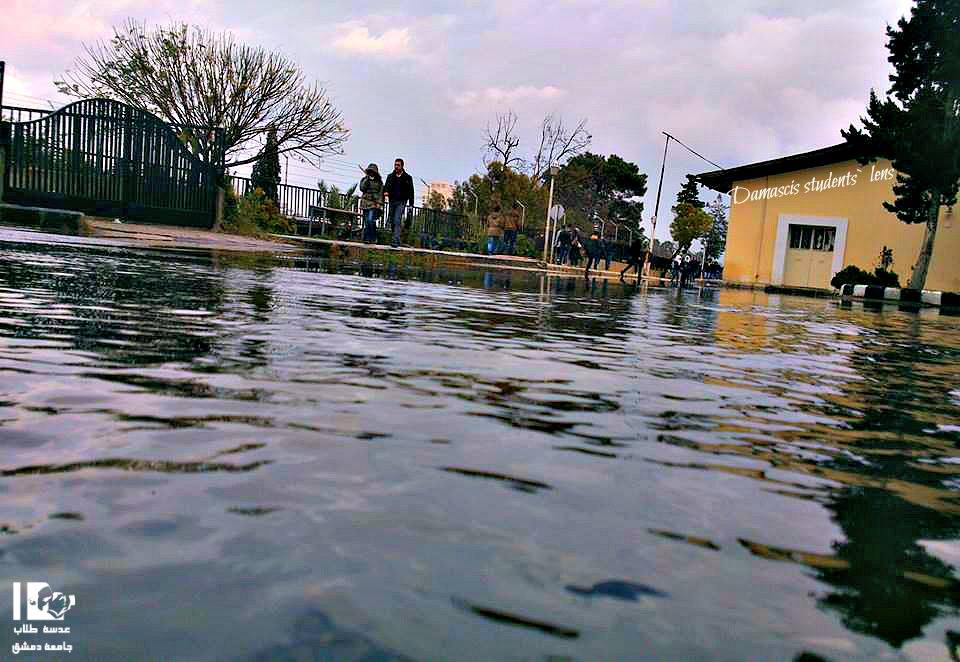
(723, 180)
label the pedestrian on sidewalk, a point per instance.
(686, 270)
(399, 191)
(576, 247)
(494, 229)
(634, 258)
(594, 246)
(563, 244)
(674, 273)
(511, 225)
(371, 202)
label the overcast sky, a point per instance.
(738, 81)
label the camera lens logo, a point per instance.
(43, 603)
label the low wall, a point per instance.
(40, 218)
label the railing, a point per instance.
(423, 225)
(19, 114)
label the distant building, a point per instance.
(443, 188)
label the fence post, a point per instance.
(5, 132)
(3, 160)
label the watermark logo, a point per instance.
(43, 603)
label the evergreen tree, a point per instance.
(917, 127)
(591, 186)
(266, 171)
(716, 239)
(690, 223)
(690, 193)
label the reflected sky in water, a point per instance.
(253, 458)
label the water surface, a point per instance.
(295, 459)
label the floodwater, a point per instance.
(248, 459)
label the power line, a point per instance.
(695, 153)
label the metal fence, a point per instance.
(107, 158)
(320, 212)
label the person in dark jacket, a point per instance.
(595, 251)
(576, 247)
(399, 191)
(563, 244)
(635, 258)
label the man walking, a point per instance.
(564, 240)
(635, 259)
(511, 225)
(399, 191)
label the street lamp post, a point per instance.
(523, 213)
(548, 230)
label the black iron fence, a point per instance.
(328, 213)
(107, 158)
(18, 114)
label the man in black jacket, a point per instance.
(399, 191)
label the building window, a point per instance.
(812, 237)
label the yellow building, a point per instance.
(797, 220)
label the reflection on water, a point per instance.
(291, 459)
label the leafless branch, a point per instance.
(558, 144)
(189, 76)
(502, 142)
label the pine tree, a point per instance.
(917, 127)
(266, 171)
(716, 239)
(690, 193)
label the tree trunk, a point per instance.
(919, 276)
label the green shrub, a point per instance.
(885, 278)
(526, 247)
(255, 215)
(853, 275)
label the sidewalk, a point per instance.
(454, 258)
(170, 236)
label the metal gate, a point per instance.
(106, 158)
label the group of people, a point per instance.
(375, 194)
(682, 272)
(570, 247)
(502, 228)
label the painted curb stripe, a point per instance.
(891, 293)
(910, 296)
(931, 298)
(859, 290)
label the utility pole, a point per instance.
(656, 209)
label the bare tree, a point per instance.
(558, 143)
(194, 78)
(502, 142)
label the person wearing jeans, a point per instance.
(371, 202)
(399, 191)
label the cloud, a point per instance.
(355, 38)
(500, 96)
(737, 81)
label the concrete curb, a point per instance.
(901, 295)
(42, 218)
